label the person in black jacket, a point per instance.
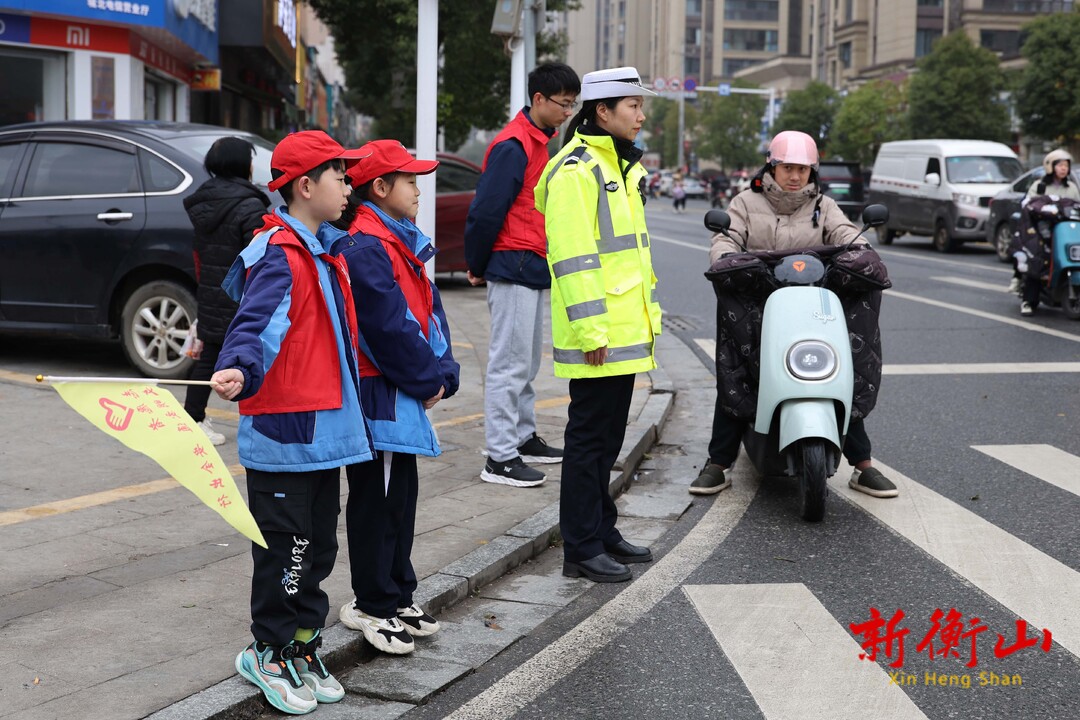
(225, 211)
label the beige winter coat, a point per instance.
(780, 220)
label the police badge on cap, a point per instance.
(612, 83)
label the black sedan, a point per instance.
(1004, 210)
(94, 237)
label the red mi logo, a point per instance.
(78, 35)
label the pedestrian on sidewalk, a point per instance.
(678, 194)
(604, 314)
(225, 212)
(289, 358)
(506, 246)
(405, 368)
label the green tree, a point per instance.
(868, 117)
(729, 129)
(811, 111)
(375, 42)
(1046, 98)
(662, 123)
(956, 93)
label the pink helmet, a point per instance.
(794, 147)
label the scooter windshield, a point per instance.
(799, 270)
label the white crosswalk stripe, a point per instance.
(1003, 566)
(1045, 462)
(794, 657)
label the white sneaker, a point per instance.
(385, 634)
(1026, 310)
(1014, 285)
(417, 622)
(213, 435)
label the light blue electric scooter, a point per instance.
(806, 379)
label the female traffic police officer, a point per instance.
(604, 313)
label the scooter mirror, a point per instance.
(875, 215)
(717, 221)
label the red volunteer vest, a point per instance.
(306, 375)
(414, 285)
(523, 228)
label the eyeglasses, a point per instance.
(567, 106)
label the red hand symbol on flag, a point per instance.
(117, 416)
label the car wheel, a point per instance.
(153, 326)
(943, 242)
(1002, 241)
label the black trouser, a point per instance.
(727, 433)
(197, 395)
(297, 514)
(1032, 290)
(380, 525)
(595, 428)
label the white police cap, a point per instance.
(612, 83)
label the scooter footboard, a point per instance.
(808, 418)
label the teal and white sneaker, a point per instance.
(309, 666)
(271, 669)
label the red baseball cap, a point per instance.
(301, 152)
(387, 156)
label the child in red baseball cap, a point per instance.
(405, 368)
(289, 358)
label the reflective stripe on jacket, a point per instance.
(603, 290)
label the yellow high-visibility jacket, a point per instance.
(603, 290)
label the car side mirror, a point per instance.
(875, 215)
(932, 179)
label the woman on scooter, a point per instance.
(1057, 182)
(784, 209)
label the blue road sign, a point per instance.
(724, 88)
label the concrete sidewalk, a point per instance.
(147, 610)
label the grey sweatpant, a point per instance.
(517, 331)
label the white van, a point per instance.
(940, 188)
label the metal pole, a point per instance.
(772, 108)
(682, 123)
(528, 32)
(427, 88)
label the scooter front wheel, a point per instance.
(813, 473)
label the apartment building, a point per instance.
(854, 41)
(707, 40)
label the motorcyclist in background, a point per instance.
(1056, 183)
(783, 209)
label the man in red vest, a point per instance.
(505, 246)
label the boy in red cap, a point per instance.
(405, 368)
(289, 358)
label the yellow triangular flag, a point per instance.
(147, 418)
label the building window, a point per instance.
(693, 8)
(733, 66)
(740, 39)
(844, 53)
(693, 67)
(849, 10)
(764, 10)
(924, 40)
(103, 87)
(1006, 42)
(1028, 6)
(930, 3)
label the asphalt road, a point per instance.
(747, 611)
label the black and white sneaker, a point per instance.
(386, 634)
(417, 622)
(536, 451)
(513, 472)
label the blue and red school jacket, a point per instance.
(294, 339)
(405, 354)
